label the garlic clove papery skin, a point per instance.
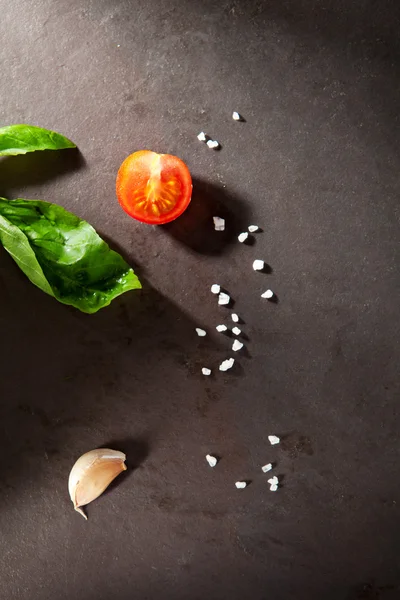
(92, 474)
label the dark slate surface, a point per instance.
(316, 165)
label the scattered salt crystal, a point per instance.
(212, 461)
(236, 116)
(273, 439)
(237, 345)
(266, 468)
(202, 136)
(200, 332)
(253, 228)
(219, 224)
(215, 288)
(258, 265)
(221, 328)
(212, 144)
(226, 364)
(206, 371)
(242, 237)
(241, 485)
(223, 298)
(235, 318)
(268, 294)
(273, 483)
(236, 331)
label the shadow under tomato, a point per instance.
(195, 227)
(35, 168)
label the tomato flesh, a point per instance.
(153, 188)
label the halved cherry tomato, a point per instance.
(154, 188)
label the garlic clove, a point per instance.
(92, 474)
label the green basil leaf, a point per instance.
(20, 139)
(63, 255)
(17, 245)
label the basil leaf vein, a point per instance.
(20, 139)
(63, 255)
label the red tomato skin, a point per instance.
(172, 183)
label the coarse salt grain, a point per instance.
(236, 331)
(235, 318)
(212, 461)
(266, 468)
(273, 439)
(242, 237)
(241, 485)
(223, 299)
(213, 144)
(236, 116)
(202, 136)
(200, 332)
(219, 224)
(226, 364)
(237, 345)
(273, 487)
(206, 371)
(253, 228)
(215, 288)
(273, 480)
(258, 265)
(221, 328)
(268, 294)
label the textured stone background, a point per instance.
(316, 165)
